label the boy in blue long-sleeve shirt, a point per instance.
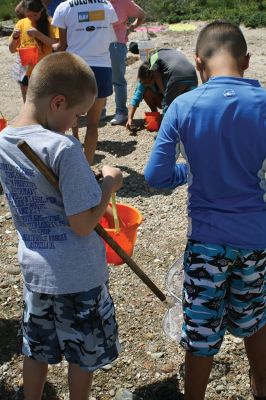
(219, 128)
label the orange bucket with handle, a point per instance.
(153, 120)
(126, 236)
(28, 55)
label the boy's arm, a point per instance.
(131, 113)
(162, 171)
(134, 103)
(61, 45)
(138, 94)
(84, 222)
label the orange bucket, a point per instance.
(127, 235)
(153, 120)
(28, 55)
(3, 123)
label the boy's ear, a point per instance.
(199, 63)
(57, 101)
(245, 63)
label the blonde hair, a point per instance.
(62, 73)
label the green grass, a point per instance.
(248, 12)
(7, 9)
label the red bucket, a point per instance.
(28, 55)
(3, 123)
(153, 120)
(127, 235)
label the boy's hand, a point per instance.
(109, 216)
(129, 124)
(115, 175)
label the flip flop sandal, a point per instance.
(254, 396)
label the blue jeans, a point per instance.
(118, 52)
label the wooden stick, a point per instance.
(53, 179)
(39, 164)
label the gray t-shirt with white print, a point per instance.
(52, 257)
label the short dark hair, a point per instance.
(220, 35)
(144, 71)
(62, 73)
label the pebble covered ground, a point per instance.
(150, 366)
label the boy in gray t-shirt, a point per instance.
(68, 310)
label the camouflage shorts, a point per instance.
(79, 326)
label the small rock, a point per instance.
(167, 368)
(107, 367)
(147, 365)
(5, 367)
(157, 355)
(150, 335)
(124, 394)
(219, 388)
(8, 216)
(12, 250)
(12, 270)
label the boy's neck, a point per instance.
(222, 64)
(29, 116)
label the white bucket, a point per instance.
(145, 47)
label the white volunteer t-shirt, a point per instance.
(89, 29)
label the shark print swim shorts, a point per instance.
(224, 289)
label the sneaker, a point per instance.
(119, 119)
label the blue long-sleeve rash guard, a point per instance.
(220, 129)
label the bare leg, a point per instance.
(153, 100)
(23, 89)
(79, 382)
(197, 372)
(34, 377)
(256, 353)
(91, 137)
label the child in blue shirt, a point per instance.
(68, 310)
(219, 128)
